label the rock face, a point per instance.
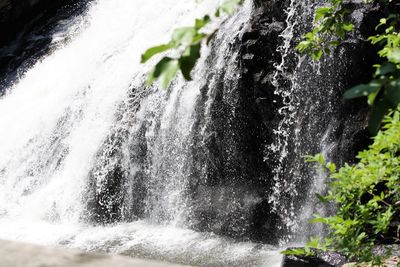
(321, 259)
(15, 14)
(299, 107)
(331, 259)
(26, 29)
(234, 165)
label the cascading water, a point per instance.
(84, 142)
(312, 121)
(204, 173)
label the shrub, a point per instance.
(367, 196)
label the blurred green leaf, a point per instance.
(362, 90)
(322, 12)
(183, 36)
(229, 6)
(392, 93)
(200, 23)
(153, 51)
(294, 251)
(386, 68)
(165, 71)
(188, 60)
(394, 55)
(379, 110)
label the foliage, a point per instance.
(330, 30)
(368, 198)
(332, 26)
(185, 41)
(366, 194)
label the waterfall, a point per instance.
(208, 172)
(313, 119)
(92, 159)
(60, 111)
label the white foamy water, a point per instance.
(57, 115)
(144, 240)
(55, 118)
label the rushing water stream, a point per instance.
(93, 159)
(81, 115)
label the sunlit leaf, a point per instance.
(294, 251)
(183, 36)
(347, 27)
(394, 55)
(153, 51)
(164, 71)
(200, 23)
(229, 6)
(322, 12)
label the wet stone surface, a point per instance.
(13, 254)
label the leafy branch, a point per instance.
(186, 42)
(367, 194)
(367, 197)
(331, 29)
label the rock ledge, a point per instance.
(14, 254)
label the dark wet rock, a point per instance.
(232, 200)
(387, 250)
(333, 259)
(321, 259)
(26, 32)
(17, 14)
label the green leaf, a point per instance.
(229, 6)
(303, 46)
(317, 54)
(188, 60)
(313, 243)
(217, 13)
(200, 23)
(394, 55)
(322, 12)
(321, 198)
(392, 93)
(362, 90)
(382, 21)
(386, 68)
(198, 38)
(319, 220)
(347, 27)
(153, 51)
(318, 158)
(379, 110)
(331, 167)
(334, 43)
(294, 251)
(376, 39)
(183, 36)
(165, 71)
(372, 96)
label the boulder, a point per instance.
(321, 259)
